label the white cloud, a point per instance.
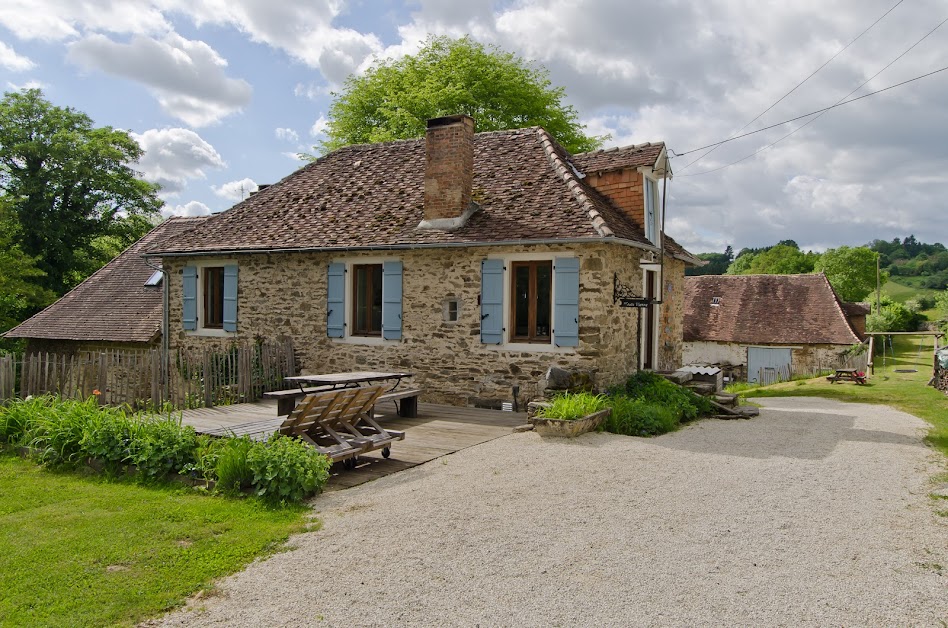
(287, 135)
(191, 208)
(53, 20)
(31, 84)
(236, 190)
(295, 157)
(312, 91)
(319, 127)
(186, 76)
(12, 61)
(172, 157)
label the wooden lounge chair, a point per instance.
(340, 424)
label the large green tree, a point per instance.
(20, 293)
(68, 184)
(394, 99)
(851, 271)
(781, 259)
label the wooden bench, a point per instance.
(408, 397)
(287, 399)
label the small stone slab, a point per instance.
(678, 377)
(526, 427)
(701, 388)
(726, 399)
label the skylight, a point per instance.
(715, 300)
(155, 279)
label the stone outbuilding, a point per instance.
(770, 326)
(475, 261)
(117, 307)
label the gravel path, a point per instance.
(814, 513)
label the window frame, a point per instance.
(652, 215)
(532, 336)
(200, 265)
(213, 305)
(368, 294)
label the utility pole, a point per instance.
(878, 287)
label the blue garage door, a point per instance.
(766, 365)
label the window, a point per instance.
(214, 297)
(652, 211)
(155, 279)
(209, 299)
(367, 300)
(452, 309)
(531, 284)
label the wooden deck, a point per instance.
(437, 431)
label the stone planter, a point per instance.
(569, 427)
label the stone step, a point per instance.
(726, 399)
(702, 388)
(678, 377)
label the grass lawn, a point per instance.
(904, 289)
(908, 392)
(85, 551)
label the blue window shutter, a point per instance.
(492, 301)
(392, 300)
(190, 289)
(230, 297)
(566, 306)
(336, 301)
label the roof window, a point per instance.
(715, 301)
(155, 279)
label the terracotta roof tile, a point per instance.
(113, 304)
(606, 159)
(764, 309)
(372, 195)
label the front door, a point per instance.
(650, 337)
(766, 365)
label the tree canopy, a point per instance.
(395, 98)
(69, 187)
(19, 292)
(781, 259)
(851, 271)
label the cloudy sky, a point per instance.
(222, 94)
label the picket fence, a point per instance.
(207, 378)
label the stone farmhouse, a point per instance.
(475, 261)
(782, 324)
(117, 307)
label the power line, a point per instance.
(839, 103)
(807, 115)
(777, 102)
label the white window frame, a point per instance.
(201, 330)
(652, 227)
(528, 347)
(348, 337)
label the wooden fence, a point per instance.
(136, 377)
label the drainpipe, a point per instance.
(165, 341)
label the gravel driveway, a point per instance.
(814, 513)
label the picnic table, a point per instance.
(348, 379)
(849, 375)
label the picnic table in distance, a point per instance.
(849, 375)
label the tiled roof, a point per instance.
(607, 159)
(372, 195)
(765, 309)
(113, 304)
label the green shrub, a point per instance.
(570, 406)
(108, 437)
(286, 470)
(17, 416)
(55, 432)
(161, 446)
(637, 417)
(654, 388)
(232, 469)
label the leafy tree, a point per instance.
(893, 317)
(19, 292)
(717, 263)
(781, 259)
(851, 271)
(941, 306)
(394, 99)
(67, 183)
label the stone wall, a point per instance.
(71, 347)
(804, 359)
(672, 316)
(283, 295)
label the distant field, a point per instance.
(902, 290)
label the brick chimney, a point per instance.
(449, 172)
